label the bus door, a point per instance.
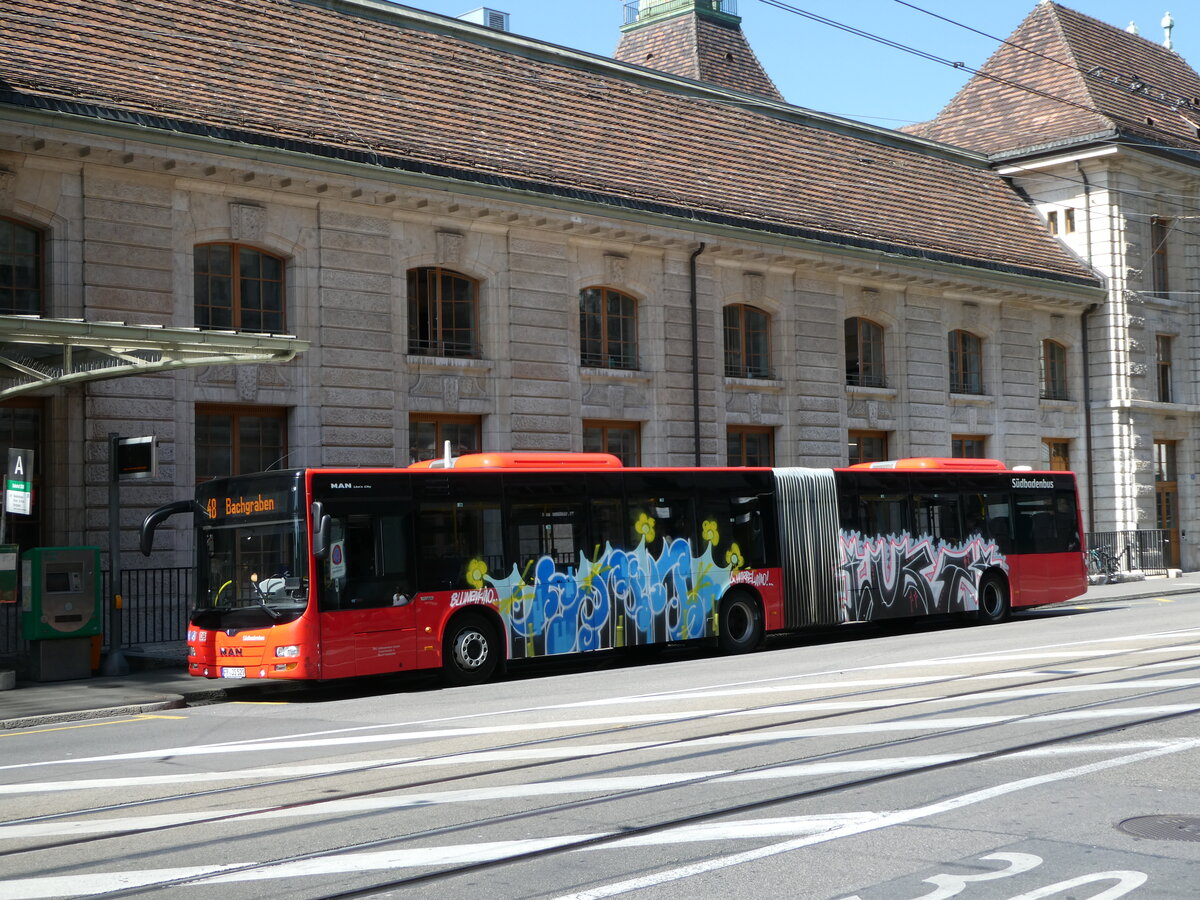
(368, 624)
(558, 611)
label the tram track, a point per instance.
(662, 824)
(667, 744)
(593, 734)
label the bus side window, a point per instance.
(607, 518)
(936, 515)
(453, 538)
(659, 519)
(541, 530)
(739, 523)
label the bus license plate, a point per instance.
(233, 672)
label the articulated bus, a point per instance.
(466, 565)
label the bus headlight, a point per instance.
(291, 650)
(191, 651)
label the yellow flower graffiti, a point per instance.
(734, 559)
(475, 572)
(645, 527)
(710, 533)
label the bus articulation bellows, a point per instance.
(467, 564)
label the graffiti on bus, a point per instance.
(620, 598)
(906, 575)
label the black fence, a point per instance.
(154, 609)
(1119, 552)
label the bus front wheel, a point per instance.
(470, 650)
(993, 600)
(741, 624)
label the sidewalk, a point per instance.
(169, 687)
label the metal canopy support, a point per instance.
(38, 353)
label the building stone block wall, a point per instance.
(122, 222)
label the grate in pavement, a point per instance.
(1163, 828)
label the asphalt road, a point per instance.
(1052, 756)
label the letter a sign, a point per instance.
(18, 486)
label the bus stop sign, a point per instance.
(18, 486)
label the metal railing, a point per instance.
(155, 605)
(1147, 551)
(635, 10)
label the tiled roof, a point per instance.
(1064, 76)
(386, 87)
(697, 47)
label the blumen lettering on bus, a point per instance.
(466, 598)
(244, 507)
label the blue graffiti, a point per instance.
(621, 598)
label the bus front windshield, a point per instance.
(261, 566)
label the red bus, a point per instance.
(468, 564)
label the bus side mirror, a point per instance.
(321, 527)
(152, 521)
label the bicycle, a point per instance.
(1101, 562)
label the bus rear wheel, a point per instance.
(740, 623)
(993, 600)
(470, 650)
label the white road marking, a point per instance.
(885, 820)
(582, 750)
(812, 830)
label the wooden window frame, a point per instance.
(439, 420)
(855, 439)
(742, 434)
(434, 312)
(964, 347)
(1054, 371)
(1055, 450)
(604, 429)
(960, 443)
(741, 325)
(1162, 367)
(608, 339)
(866, 366)
(236, 413)
(1160, 272)
(239, 310)
(8, 294)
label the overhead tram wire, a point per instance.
(958, 64)
(932, 57)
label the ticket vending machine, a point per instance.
(61, 610)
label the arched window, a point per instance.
(443, 313)
(607, 329)
(966, 363)
(20, 269)
(747, 342)
(1054, 371)
(238, 288)
(864, 353)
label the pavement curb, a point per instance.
(84, 714)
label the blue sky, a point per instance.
(823, 68)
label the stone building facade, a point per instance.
(1115, 174)
(538, 269)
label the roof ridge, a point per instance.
(1094, 104)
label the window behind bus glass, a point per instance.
(658, 519)
(451, 535)
(1045, 522)
(873, 504)
(989, 514)
(376, 554)
(936, 514)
